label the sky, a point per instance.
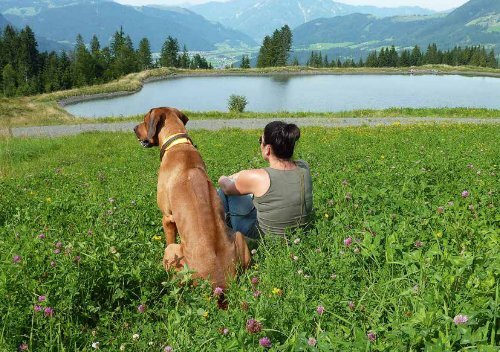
(438, 5)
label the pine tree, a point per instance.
(245, 62)
(27, 54)
(263, 60)
(144, 56)
(416, 56)
(169, 53)
(9, 80)
(184, 60)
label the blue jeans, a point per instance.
(241, 212)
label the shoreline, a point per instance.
(303, 72)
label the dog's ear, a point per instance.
(183, 117)
(154, 119)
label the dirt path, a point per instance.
(65, 130)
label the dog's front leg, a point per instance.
(169, 228)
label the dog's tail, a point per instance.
(242, 251)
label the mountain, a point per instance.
(259, 18)
(475, 22)
(62, 20)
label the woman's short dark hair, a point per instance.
(282, 137)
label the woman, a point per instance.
(270, 200)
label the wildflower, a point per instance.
(113, 250)
(218, 291)
(326, 215)
(320, 310)
(295, 257)
(300, 271)
(95, 345)
(151, 343)
(168, 349)
(141, 308)
(48, 312)
(37, 308)
(41, 236)
(296, 241)
(111, 200)
(225, 331)
(53, 264)
(256, 293)
(465, 194)
(277, 291)
(318, 250)
(333, 276)
(135, 337)
(253, 251)
(205, 314)
(77, 259)
(58, 244)
(41, 298)
(253, 326)
(415, 289)
(57, 251)
(345, 183)
(265, 342)
(351, 305)
(371, 336)
(419, 244)
(244, 306)
(122, 347)
(440, 210)
(357, 250)
(471, 207)
(23, 347)
(157, 237)
(450, 203)
(439, 234)
(255, 281)
(348, 241)
(460, 319)
(16, 259)
(307, 276)
(470, 166)
(311, 341)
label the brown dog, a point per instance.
(190, 204)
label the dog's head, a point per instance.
(157, 119)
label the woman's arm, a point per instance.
(238, 184)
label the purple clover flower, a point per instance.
(348, 241)
(460, 319)
(48, 312)
(255, 280)
(37, 308)
(141, 308)
(17, 259)
(41, 298)
(465, 194)
(41, 236)
(23, 347)
(218, 291)
(253, 326)
(265, 342)
(371, 336)
(311, 341)
(168, 349)
(320, 310)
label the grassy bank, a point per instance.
(81, 234)
(45, 110)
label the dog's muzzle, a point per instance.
(145, 144)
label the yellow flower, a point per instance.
(277, 291)
(439, 234)
(48, 199)
(326, 215)
(205, 315)
(157, 237)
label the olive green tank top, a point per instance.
(288, 201)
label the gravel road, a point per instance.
(65, 130)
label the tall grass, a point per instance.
(405, 239)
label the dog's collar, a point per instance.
(172, 140)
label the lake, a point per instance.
(315, 93)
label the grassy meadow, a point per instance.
(403, 254)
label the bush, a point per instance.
(237, 103)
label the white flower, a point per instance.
(135, 337)
(254, 251)
(296, 241)
(150, 343)
(95, 345)
(122, 347)
(295, 257)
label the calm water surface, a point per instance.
(302, 93)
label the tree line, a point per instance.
(26, 71)
(390, 57)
